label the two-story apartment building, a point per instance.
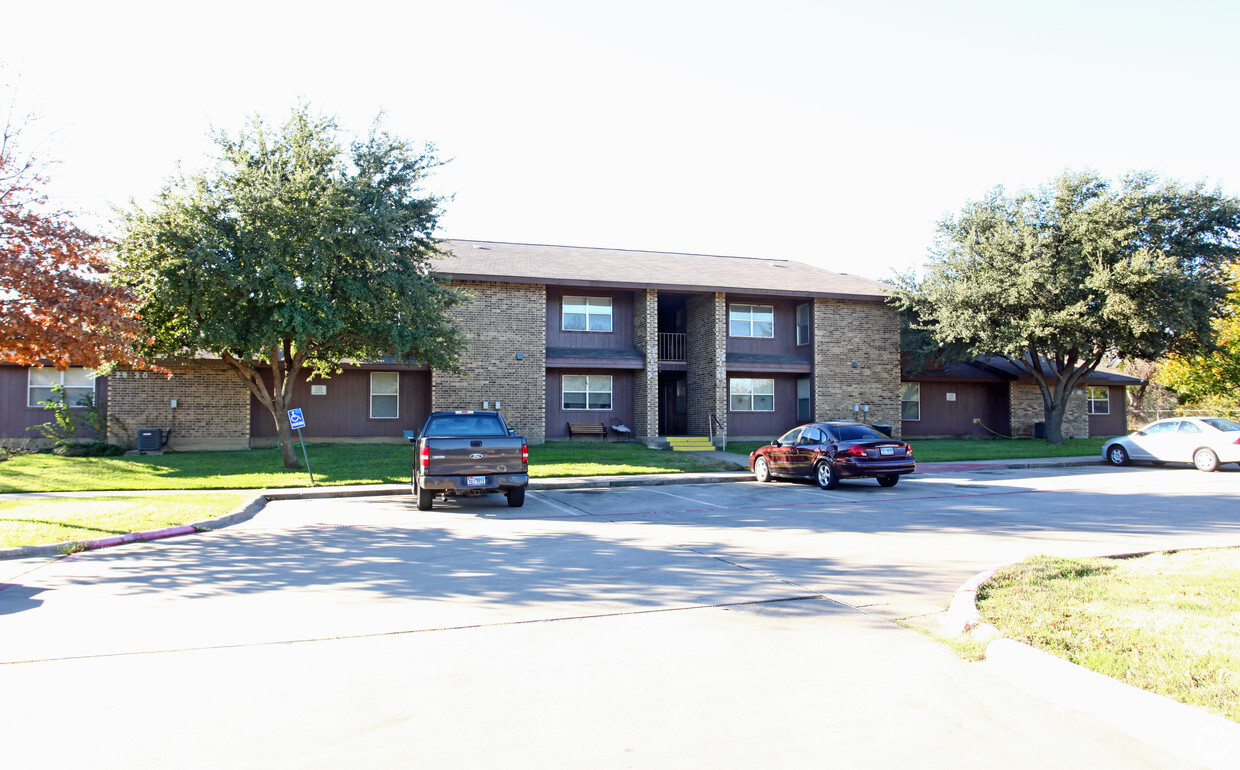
(665, 344)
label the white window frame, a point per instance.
(383, 394)
(595, 307)
(56, 377)
(742, 313)
(910, 388)
(594, 386)
(809, 323)
(751, 388)
(1092, 401)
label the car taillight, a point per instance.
(855, 451)
(425, 456)
(908, 449)
(525, 453)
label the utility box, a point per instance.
(149, 440)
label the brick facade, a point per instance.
(1027, 408)
(646, 382)
(707, 354)
(865, 333)
(213, 406)
(502, 321)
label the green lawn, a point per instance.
(333, 464)
(41, 521)
(1166, 622)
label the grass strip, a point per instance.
(41, 521)
(1166, 622)
(333, 464)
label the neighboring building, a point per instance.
(990, 396)
(23, 387)
(664, 344)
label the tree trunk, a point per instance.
(275, 400)
(285, 432)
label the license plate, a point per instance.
(886, 450)
(475, 481)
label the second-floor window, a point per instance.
(751, 321)
(76, 381)
(587, 314)
(803, 324)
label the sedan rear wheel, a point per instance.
(761, 471)
(1205, 460)
(888, 481)
(825, 475)
(1117, 455)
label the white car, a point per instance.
(1206, 442)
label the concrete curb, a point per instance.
(1182, 730)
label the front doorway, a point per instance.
(673, 403)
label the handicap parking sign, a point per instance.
(295, 420)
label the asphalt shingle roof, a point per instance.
(618, 268)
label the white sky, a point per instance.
(832, 133)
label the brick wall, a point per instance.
(707, 354)
(868, 333)
(213, 406)
(501, 321)
(1028, 408)
(646, 382)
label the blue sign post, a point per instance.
(295, 420)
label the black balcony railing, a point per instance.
(671, 347)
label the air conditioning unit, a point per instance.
(149, 440)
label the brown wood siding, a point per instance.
(621, 401)
(619, 338)
(987, 401)
(785, 340)
(345, 411)
(1115, 423)
(16, 416)
(767, 424)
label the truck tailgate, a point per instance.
(474, 456)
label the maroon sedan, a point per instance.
(829, 451)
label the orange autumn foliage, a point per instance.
(55, 306)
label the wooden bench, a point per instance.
(587, 429)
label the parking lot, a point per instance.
(688, 626)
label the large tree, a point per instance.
(1059, 279)
(293, 255)
(1212, 375)
(57, 305)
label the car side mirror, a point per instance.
(775, 442)
(412, 435)
(512, 431)
(1140, 433)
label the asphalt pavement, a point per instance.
(638, 607)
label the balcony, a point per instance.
(672, 347)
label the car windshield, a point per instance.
(1227, 426)
(790, 438)
(857, 433)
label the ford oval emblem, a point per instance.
(476, 456)
(502, 468)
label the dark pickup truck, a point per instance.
(468, 453)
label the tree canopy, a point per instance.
(1060, 279)
(293, 253)
(1212, 375)
(57, 305)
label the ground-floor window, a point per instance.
(76, 381)
(751, 394)
(587, 391)
(384, 395)
(805, 405)
(1098, 399)
(910, 401)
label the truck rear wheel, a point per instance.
(426, 498)
(516, 497)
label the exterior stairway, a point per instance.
(690, 444)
